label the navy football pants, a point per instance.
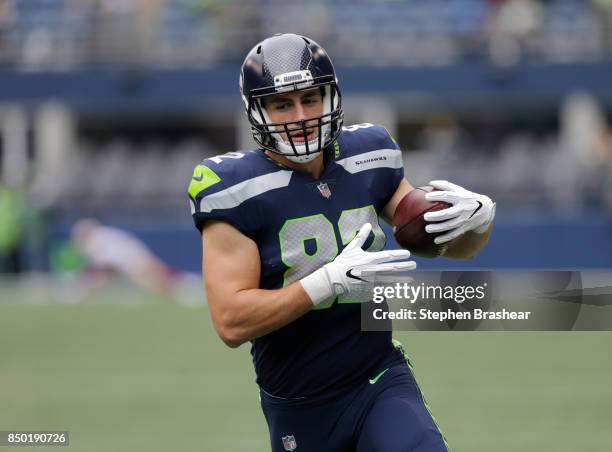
(389, 415)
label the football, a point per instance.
(409, 224)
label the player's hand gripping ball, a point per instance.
(428, 218)
(409, 223)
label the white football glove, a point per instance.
(469, 211)
(355, 268)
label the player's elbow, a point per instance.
(230, 334)
(231, 340)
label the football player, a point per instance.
(109, 252)
(291, 244)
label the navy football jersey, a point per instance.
(299, 224)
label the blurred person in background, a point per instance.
(12, 224)
(7, 20)
(584, 129)
(109, 252)
(279, 275)
(232, 22)
(512, 30)
(126, 31)
(580, 171)
(604, 14)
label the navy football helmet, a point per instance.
(284, 63)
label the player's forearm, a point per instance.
(252, 313)
(468, 245)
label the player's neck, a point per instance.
(314, 168)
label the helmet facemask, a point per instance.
(268, 134)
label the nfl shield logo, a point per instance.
(289, 442)
(324, 189)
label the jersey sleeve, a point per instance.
(394, 173)
(212, 196)
(397, 174)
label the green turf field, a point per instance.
(154, 377)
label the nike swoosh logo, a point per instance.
(477, 209)
(374, 380)
(198, 179)
(349, 273)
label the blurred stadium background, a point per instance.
(107, 105)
